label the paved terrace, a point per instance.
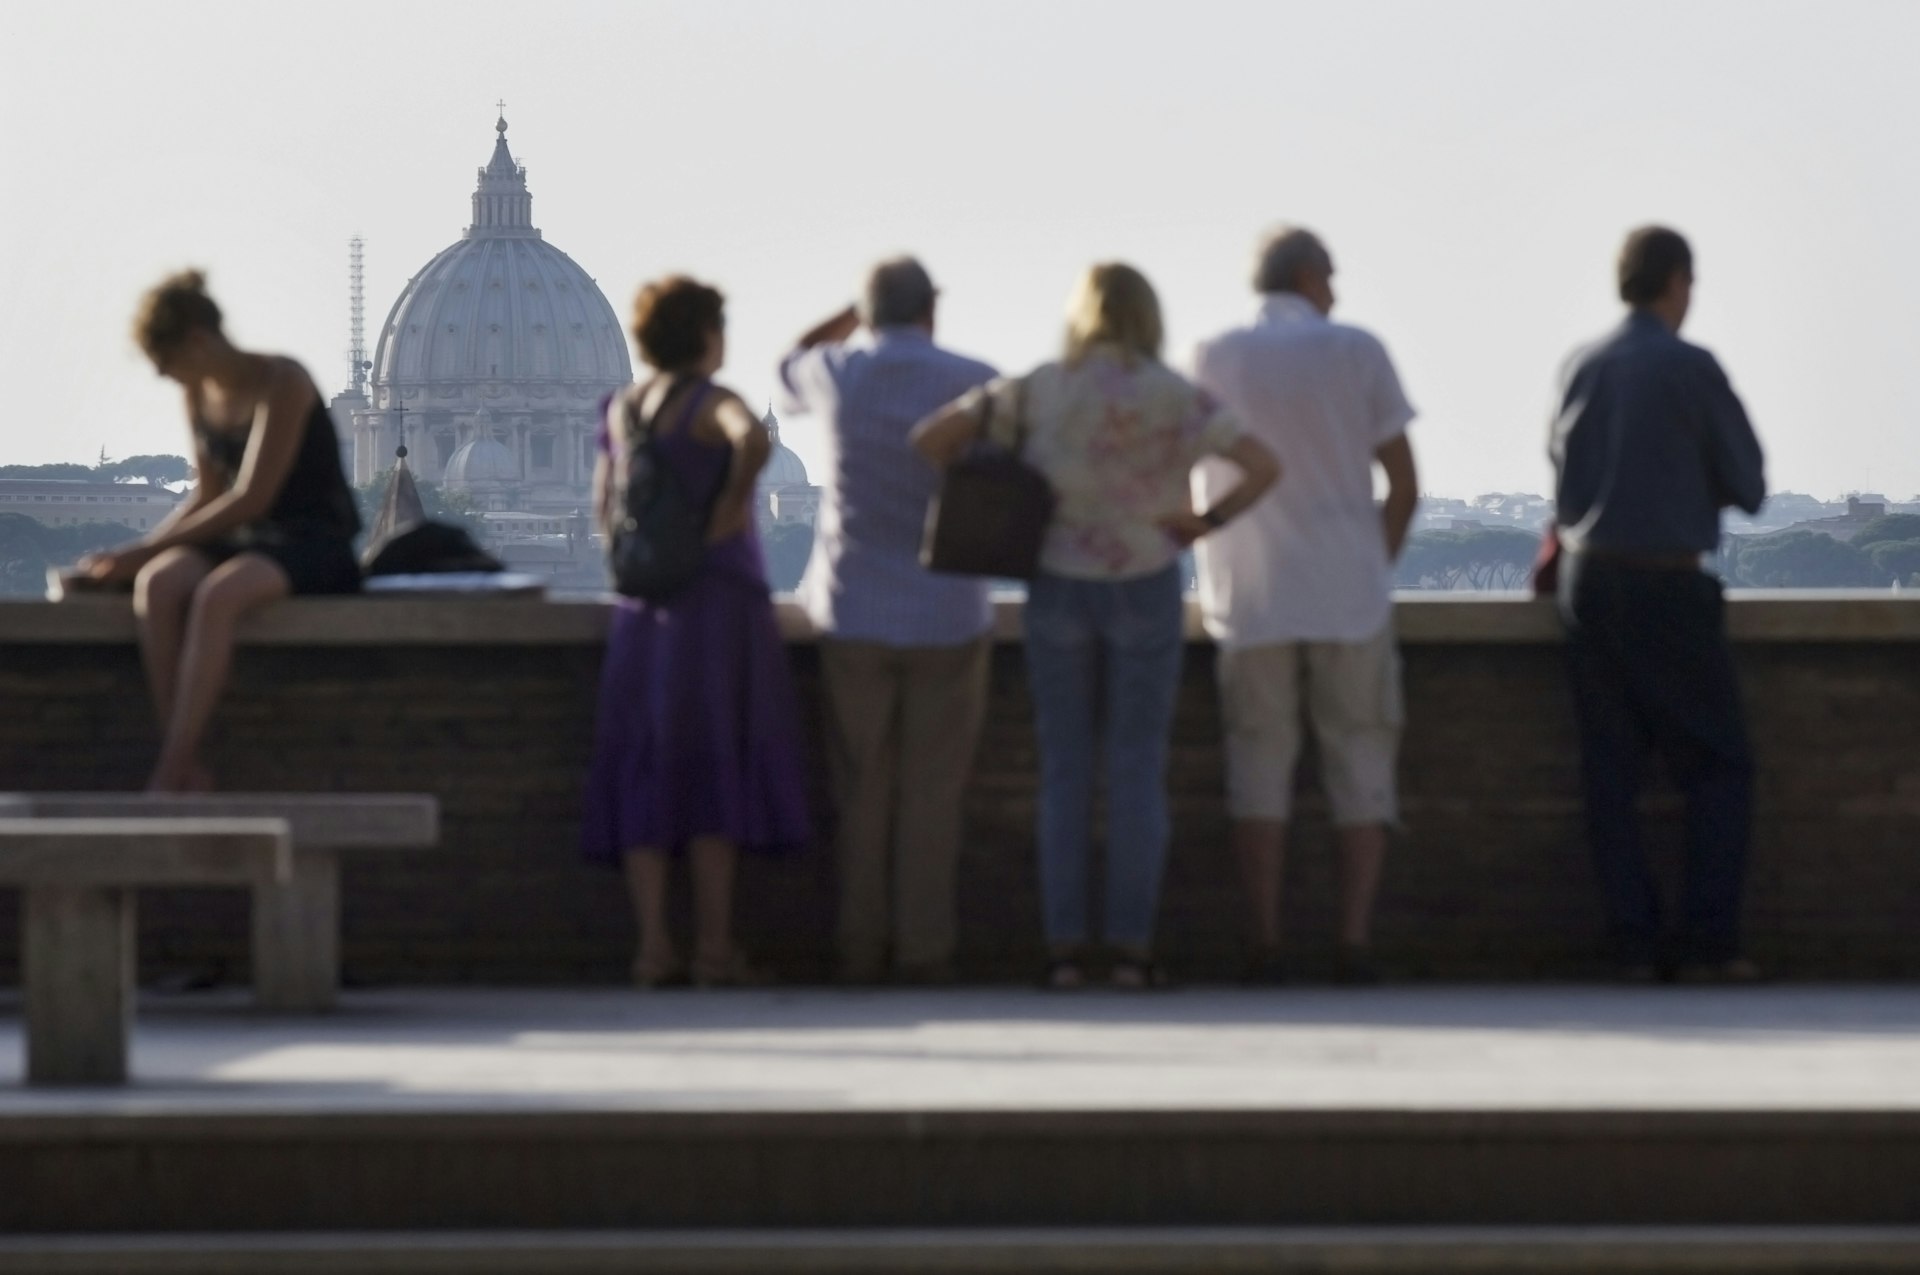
(1555, 1048)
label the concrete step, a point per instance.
(1356, 1251)
(209, 1172)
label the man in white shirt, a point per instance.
(1298, 592)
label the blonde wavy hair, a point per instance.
(1114, 305)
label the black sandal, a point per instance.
(1063, 975)
(1139, 974)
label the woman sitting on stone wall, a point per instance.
(697, 752)
(270, 515)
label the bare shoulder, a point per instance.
(284, 378)
(725, 416)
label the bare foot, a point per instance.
(656, 969)
(730, 969)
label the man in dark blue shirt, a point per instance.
(1649, 445)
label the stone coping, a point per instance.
(1827, 615)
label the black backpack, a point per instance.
(658, 540)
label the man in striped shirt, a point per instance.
(903, 653)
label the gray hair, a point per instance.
(898, 291)
(1284, 254)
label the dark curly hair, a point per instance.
(172, 308)
(672, 319)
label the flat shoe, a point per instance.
(1063, 976)
(731, 970)
(1736, 971)
(1138, 975)
(648, 975)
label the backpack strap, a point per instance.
(636, 429)
(701, 388)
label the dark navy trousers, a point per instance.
(1653, 676)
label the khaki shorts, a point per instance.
(1352, 692)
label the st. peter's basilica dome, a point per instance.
(503, 323)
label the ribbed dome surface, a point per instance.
(501, 309)
(501, 304)
(484, 460)
(784, 468)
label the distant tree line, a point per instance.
(1884, 552)
(1481, 558)
(155, 470)
(28, 547)
(787, 546)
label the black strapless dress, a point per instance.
(309, 530)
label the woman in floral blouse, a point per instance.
(1116, 432)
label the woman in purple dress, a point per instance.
(697, 750)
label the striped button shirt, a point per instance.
(864, 581)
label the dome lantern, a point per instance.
(502, 204)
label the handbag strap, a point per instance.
(1019, 416)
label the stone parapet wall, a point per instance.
(490, 706)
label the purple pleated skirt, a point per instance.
(699, 727)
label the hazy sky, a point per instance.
(1472, 164)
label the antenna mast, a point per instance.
(356, 298)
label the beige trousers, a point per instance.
(902, 726)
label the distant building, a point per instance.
(562, 548)
(1519, 509)
(1844, 526)
(491, 363)
(68, 502)
(1439, 513)
(783, 493)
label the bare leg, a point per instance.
(715, 960)
(1363, 849)
(162, 592)
(647, 877)
(1261, 847)
(236, 587)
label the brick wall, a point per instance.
(1489, 880)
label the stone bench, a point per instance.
(78, 938)
(296, 920)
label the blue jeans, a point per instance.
(1652, 675)
(1104, 654)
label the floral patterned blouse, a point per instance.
(1117, 442)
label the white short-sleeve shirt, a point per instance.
(1308, 562)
